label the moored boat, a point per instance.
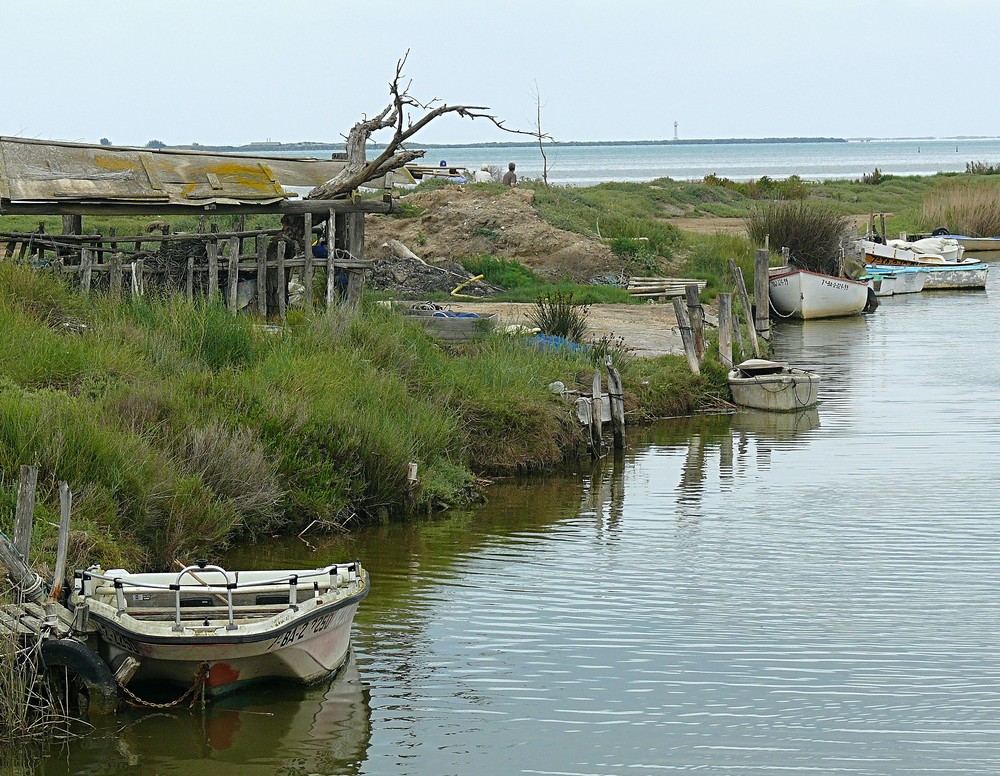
(902, 280)
(222, 629)
(773, 386)
(799, 293)
(943, 272)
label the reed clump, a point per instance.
(964, 207)
(812, 233)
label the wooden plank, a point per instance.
(189, 289)
(331, 252)
(86, 270)
(745, 300)
(356, 249)
(116, 275)
(596, 425)
(616, 398)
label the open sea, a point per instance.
(593, 164)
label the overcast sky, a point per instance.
(237, 71)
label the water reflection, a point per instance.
(278, 728)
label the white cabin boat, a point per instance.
(773, 386)
(799, 293)
(223, 629)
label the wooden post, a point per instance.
(737, 332)
(307, 270)
(331, 267)
(356, 248)
(138, 278)
(726, 329)
(116, 275)
(234, 272)
(72, 224)
(85, 270)
(24, 515)
(617, 398)
(684, 325)
(62, 544)
(282, 282)
(786, 255)
(596, 410)
(747, 309)
(697, 316)
(262, 275)
(190, 279)
(761, 298)
(213, 268)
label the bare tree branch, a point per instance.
(359, 170)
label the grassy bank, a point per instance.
(181, 428)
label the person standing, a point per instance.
(510, 177)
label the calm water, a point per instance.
(756, 594)
(589, 165)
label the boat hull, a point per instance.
(943, 277)
(787, 391)
(902, 280)
(313, 648)
(797, 293)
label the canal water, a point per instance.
(758, 594)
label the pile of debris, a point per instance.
(405, 274)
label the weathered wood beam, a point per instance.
(315, 206)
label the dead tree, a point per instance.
(539, 135)
(395, 115)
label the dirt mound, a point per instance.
(463, 221)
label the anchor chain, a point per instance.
(199, 682)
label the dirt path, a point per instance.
(650, 330)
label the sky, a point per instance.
(230, 72)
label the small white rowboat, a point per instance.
(222, 628)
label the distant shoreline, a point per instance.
(320, 146)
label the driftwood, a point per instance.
(397, 116)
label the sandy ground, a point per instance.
(650, 330)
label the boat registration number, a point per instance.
(300, 632)
(836, 285)
(777, 283)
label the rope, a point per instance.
(199, 681)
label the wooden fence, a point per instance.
(243, 268)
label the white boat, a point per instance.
(799, 293)
(972, 244)
(958, 271)
(773, 386)
(902, 280)
(223, 629)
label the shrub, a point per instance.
(556, 314)
(812, 233)
(982, 168)
(505, 273)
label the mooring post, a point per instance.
(25, 512)
(616, 395)
(761, 298)
(726, 329)
(697, 317)
(741, 287)
(596, 411)
(356, 248)
(684, 325)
